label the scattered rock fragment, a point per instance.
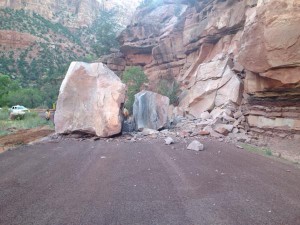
(196, 146)
(183, 134)
(228, 118)
(169, 141)
(147, 131)
(238, 114)
(235, 130)
(204, 132)
(205, 115)
(224, 129)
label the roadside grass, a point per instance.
(260, 150)
(268, 153)
(31, 120)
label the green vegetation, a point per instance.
(268, 152)
(30, 120)
(11, 93)
(22, 21)
(4, 113)
(6, 85)
(106, 32)
(134, 77)
(28, 97)
(260, 150)
(169, 89)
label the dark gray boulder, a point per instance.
(150, 110)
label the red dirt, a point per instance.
(22, 137)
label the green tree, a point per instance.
(169, 89)
(134, 77)
(107, 27)
(6, 85)
(28, 97)
(50, 94)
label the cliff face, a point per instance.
(230, 53)
(71, 13)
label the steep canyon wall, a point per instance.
(224, 53)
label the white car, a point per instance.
(18, 110)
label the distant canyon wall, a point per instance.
(71, 13)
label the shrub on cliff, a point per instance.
(134, 78)
(169, 89)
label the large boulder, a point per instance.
(150, 110)
(90, 100)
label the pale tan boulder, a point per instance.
(90, 100)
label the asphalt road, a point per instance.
(95, 182)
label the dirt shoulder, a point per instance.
(22, 137)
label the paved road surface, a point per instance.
(88, 182)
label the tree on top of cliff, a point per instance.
(107, 28)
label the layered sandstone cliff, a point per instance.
(230, 53)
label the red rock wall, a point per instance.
(15, 39)
(234, 52)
